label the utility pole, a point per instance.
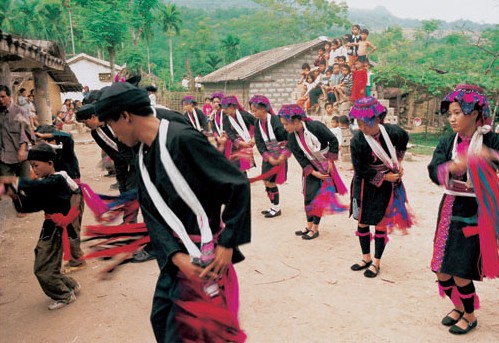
(67, 4)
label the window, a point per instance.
(105, 77)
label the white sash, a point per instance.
(475, 148)
(313, 145)
(271, 136)
(220, 129)
(73, 185)
(195, 123)
(240, 127)
(389, 161)
(106, 138)
(184, 191)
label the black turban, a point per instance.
(85, 112)
(42, 152)
(121, 96)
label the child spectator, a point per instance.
(359, 77)
(342, 60)
(317, 90)
(337, 49)
(308, 85)
(354, 44)
(207, 108)
(50, 193)
(344, 89)
(326, 117)
(321, 57)
(335, 128)
(325, 83)
(327, 52)
(344, 122)
(59, 120)
(305, 70)
(364, 45)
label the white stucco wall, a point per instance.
(87, 72)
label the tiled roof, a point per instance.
(248, 66)
(25, 55)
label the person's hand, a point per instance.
(43, 135)
(245, 145)
(330, 165)
(401, 171)
(489, 154)
(184, 264)
(273, 161)
(220, 264)
(458, 167)
(320, 175)
(392, 177)
(22, 155)
(222, 139)
(252, 142)
(8, 180)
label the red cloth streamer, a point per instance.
(63, 221)
(134, 231)
(209, 319)
(486, 185)
(275, 170)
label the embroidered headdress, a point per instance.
(230, 100)
(291, 111)
(470, 98)
(188, 99)
(368, 109)
(218, 95)
(262, 100)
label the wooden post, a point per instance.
(42, 97)
(5, 74)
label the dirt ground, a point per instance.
(291, 290)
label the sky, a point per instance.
(480, 11)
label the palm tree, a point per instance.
(213, 60)
(231, 46)
(170, 22)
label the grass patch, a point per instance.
(424, 144)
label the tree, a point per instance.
(105, 24)
(311, 15)
(213, 61)
(428, 27)
(231, 47)
(170, 22)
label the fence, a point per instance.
(172, 99)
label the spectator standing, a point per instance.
(13, 138)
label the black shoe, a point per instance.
(357, 266)
(372, 273)
(307, 237)
(273, 214)
(301, 233)
(114, 186)
(449, 321)
(266, 211)
(142, 256)
(456, 330)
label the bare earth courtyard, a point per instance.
(291, 290)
